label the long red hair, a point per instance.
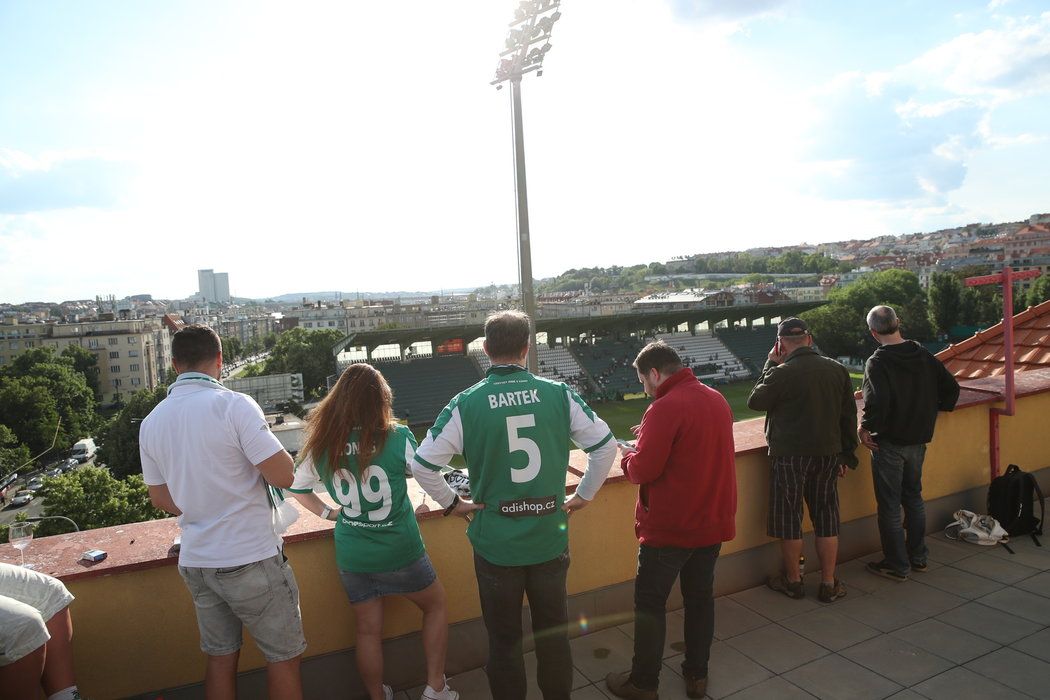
(360, 400)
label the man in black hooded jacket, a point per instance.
(904, 388)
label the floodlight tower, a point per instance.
(527, 43)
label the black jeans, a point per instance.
(501, 589)
(658, 567)
(897, 474)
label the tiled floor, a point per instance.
(976, 625)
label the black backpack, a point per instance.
(1010, 499)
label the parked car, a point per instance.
(35, 484)
(21, 498)
(68, 464)
(53, 472)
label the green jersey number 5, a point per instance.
(349, 492)
(523, 444)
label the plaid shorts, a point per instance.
(793, 479)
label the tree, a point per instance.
(657, 268)
(91, 497)
(835, 332)
(305, 352)
(41, 393)
(255, 369)
(946, 292)
(12, 453)
(120, 441)
(1039, 291)
(980, 306)
(85, 362)
(231, 348)
(840, 328)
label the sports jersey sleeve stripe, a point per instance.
(419, 460)
(410, 452)
(444, 417)
(587, 430)
(580, 402)
(594, 447)
(442, 444)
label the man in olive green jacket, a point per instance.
(811, 426)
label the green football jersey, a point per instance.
(515, 431)
(376, 530)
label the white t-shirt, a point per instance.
(204, 441)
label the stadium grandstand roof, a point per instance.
(576, 325)
(982, 354)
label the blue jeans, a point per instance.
(500, 589)
(658, 567)
(897, 473)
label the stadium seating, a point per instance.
(704, 350)
(609, 364)
(750, 345)
(422, 387)
(556, 363)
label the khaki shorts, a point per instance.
(261, 596)
(28, 599)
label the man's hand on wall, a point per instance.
(574, 504)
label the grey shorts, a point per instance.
(410, 579)
(28, 599)
(261, 596)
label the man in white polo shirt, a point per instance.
(207, 454)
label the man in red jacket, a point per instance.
(684, 465)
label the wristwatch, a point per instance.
(325, 512)
(452, 506)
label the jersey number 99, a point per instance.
(374, 487)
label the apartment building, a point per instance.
(246, 329)
(132, 355)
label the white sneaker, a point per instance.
(388, 692)
(445, 693)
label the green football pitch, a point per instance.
(621, 415)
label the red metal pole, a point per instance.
(1006, 278)
(1008, 336)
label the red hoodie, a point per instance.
(685, 466)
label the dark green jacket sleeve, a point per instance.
(767, 390)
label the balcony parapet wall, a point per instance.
(135, 629)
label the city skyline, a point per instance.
(765, 122)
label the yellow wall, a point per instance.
(136, 632)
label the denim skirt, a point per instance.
(361, 587)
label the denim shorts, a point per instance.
(262, 596)
(410, 579)
(28, 599)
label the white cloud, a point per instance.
(909, 132)
(339, 146)
(1004, 63)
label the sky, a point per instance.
(355, 146)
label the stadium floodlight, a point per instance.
(528, 42)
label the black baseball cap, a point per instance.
(792, 327)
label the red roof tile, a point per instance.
(982, 355)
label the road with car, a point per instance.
(32, 481)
